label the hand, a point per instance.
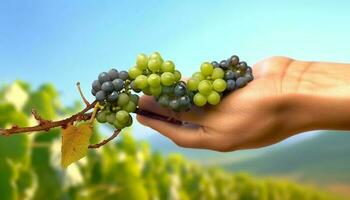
(257, 115)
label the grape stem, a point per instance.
(98, 145)
(82, 95)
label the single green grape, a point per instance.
(134, 72)
(167, 78)
(199, 76)
(142, 61)
(155, 91)
(110, 117)
(154, 64)
(218, 73)
(156, 55)
(147, 91)
(177, 75)
(219, 85)
(130, 106)
(118, 125)
(153, 80)
(123, 99)
(213, 98)
(122, 116)
(207, 69)
(101, 116)
(141, 82)
(205, 87)
(168, 66)
(192, 84)
(199, 100)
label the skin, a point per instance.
(287, 97)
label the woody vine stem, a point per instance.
(83, 115)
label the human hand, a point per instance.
(266, 111)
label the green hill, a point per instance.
(324, 159)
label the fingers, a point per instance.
(148, 103)
(191, 137)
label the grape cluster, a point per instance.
(216, 79)
(112, 92)
(237, 74)
(156, 77)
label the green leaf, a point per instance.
(16, 148)
(25, 181)
(8, 188)
(48, 175)
(75, 142)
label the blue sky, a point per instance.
(68, 41)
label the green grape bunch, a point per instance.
(116, 91)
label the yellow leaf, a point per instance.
(75, 142)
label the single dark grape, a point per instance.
(224, 64)
(118, 84)
(163, 100)
(242, 66)
(113, 97)
(93, 92)
(107, 87)
(123, 75)
(100, 96)
(180, 90)
(249, 77)
(231, 85)
(236, 74)
(113, 74)
(241, 82)
(191, 95)
(215, 64)
(96, 85)
(185, 101)
(129, 123)
(234, 60)
(134, 98)
(174, 104)
(229, 74)
(103, 77)
(249, 70)
(167, 89)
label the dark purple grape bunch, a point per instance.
(237, 73)
(176, 97)
(109, 85)
(112, 91)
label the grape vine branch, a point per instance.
(83, 115)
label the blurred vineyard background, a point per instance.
(61, 42)
(131, 169)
